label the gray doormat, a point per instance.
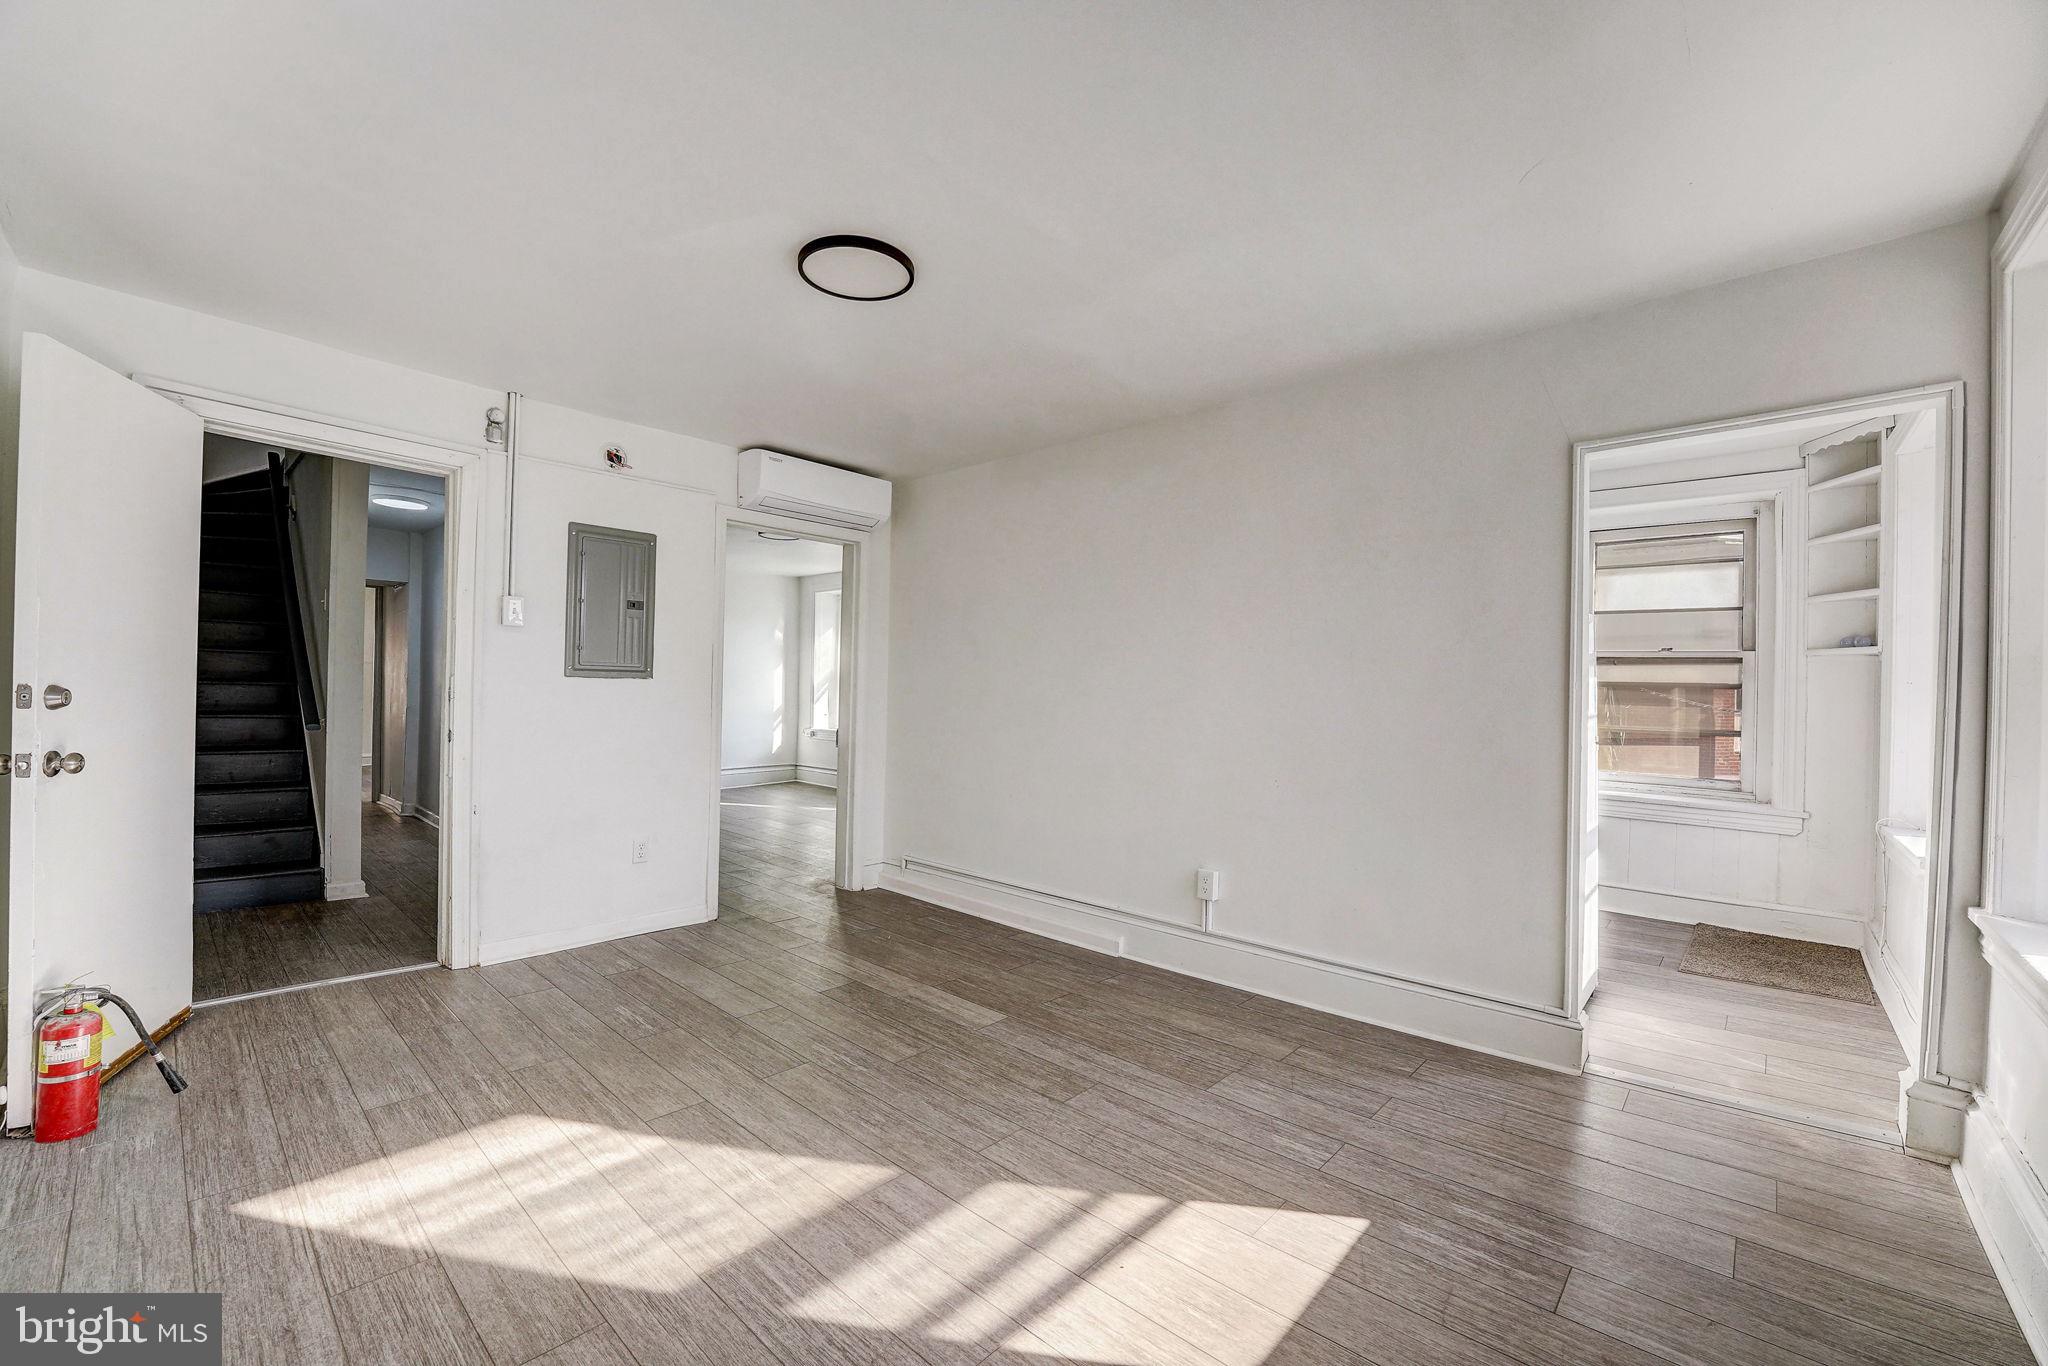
(1764, 960)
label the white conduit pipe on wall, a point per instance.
(511, 484)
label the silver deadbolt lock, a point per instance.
(55, 763)
(55, 696)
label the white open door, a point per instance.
(106, 604)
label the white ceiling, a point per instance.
(1117, 211)
(747, 553)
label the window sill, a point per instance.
(1904, 843)
(1720, 813)
(2018, 951)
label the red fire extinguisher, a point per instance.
(69, 1037)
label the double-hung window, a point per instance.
(1676, 660)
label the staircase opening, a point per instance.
(316, 847)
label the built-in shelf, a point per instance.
(1844, 649)
(1854, 533)
(1869, 474)
(1846, 595)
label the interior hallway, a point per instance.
(834, 1127)
(1804, 1056)
(265, 947)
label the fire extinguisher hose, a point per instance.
(172, 1077)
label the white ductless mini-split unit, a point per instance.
(773, 482)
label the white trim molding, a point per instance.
(1507, 1029)
(1597, 464)
(1718, 813)
(462, 467)
(576, 936)
(2008, 1207)
(1841, 928)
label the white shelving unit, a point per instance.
(1844, 543)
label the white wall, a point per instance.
(369, 671)
(760, 699)
(413, 558)
(551, 858)
(817, 756)
(429, 706)
(1317, 638)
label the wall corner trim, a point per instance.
(1505, 1029)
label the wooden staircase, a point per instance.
(254, 838)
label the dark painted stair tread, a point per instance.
(259, 785)
(263, 827)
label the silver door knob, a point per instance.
(55, 763)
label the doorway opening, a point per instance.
(1766, 647)
(783, 722)
(316, 845)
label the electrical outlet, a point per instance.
(639, 851)
(1208, 884)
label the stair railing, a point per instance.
(303, 647)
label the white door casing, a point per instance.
(106, 603)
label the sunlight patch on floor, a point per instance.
(1036, 1268)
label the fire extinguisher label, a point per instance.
(57, 1052)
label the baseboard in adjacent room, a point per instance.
(1890, 987)
(2009, 1208)
(756, 775)
(426, 817)
(1505, 1029)
(817, 777)
(1843, 928)
(344, 891)
(576, 936)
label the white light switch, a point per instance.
(512, 611)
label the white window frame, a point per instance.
(1772, 798)
(818, 618)
(1754, 531)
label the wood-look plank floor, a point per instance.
(853, 1128)
(266, 947)
(1790, 1053)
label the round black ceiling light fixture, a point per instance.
(778, 536)
(850, 267)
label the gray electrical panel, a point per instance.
(611, 603)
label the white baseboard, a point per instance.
(1787, 922)
(392, 804)
(1887, 982)
(344, 891)
(426, 817)
(1503, 1028)
(576, 936)
(817, 777)
(757, 775)
(2008, 1206)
